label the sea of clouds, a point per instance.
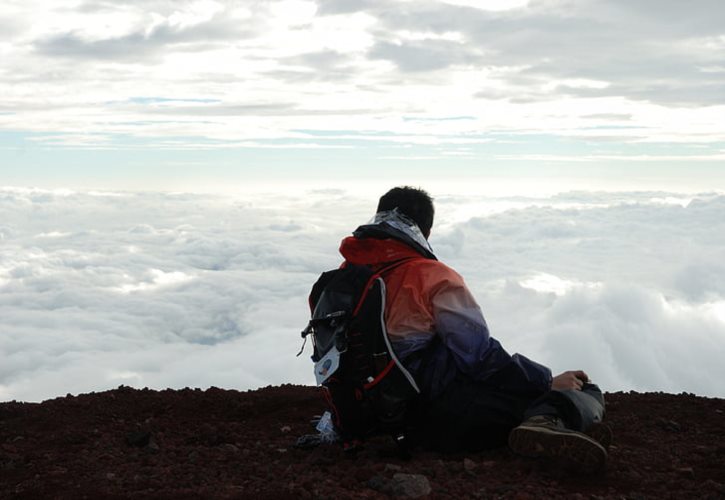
(159, 290)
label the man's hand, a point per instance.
(572, 379)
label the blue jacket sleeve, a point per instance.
(463, 331)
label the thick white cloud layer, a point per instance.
(173, 290)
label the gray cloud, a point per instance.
(10, 28)
(326, 65)
(141, 45)
(429, 55)
(705, 92)
(322, 66)
(329, 7)
(165, 7)
(223, 109)
(701, 281)
(234, 109)
(609, 116)
(644, 51)
(321, 59)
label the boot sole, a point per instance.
(574, 449)
(602, 434)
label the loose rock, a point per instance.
(411, 485)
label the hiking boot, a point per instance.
(546, 437)
(602, 434)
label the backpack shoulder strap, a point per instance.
(380, 273)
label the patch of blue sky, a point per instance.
(141, 123)
(615, 127)
(344, 133)
(490, 143)
(132, 162)
(494, 145)
(58, 141)
(13, 138)
(437, 119)
(664, 151)
(551, 144)
(164, 100)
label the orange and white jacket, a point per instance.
(433, 321)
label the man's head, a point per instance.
(413, 202)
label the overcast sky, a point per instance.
(207, 94)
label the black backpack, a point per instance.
(368, 389)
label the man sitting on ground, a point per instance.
(476, 395)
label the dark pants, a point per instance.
(473, 415)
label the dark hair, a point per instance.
(413, 202)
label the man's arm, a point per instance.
(463, 330)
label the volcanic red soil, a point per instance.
(230, 444)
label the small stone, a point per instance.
(481, 493)
(228, 447)
(687, 472)
(285, 428)
(392, 468)
(713, 485)
(669, 425)
(152, 447)
(469, 465)
(411, 485)
(281, 450)
(110, 476)
(378, 483)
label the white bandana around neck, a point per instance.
(398, 220)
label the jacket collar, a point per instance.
(398, 236)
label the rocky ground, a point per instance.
(229, 444)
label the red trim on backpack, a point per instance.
(380, 376)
